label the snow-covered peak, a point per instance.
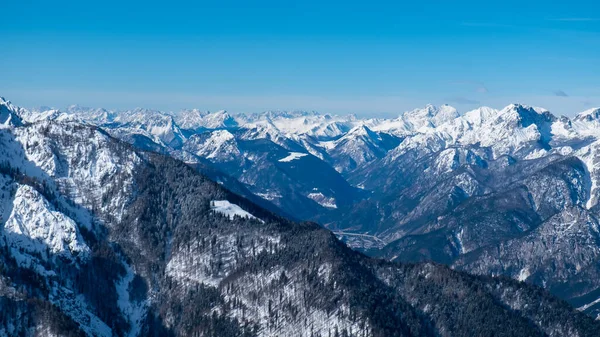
(91, 115)
(278, 114)
(518, 115)
(34, 226)
(264, 129)
(361, 130)
(10, 115)
(318, 126)
(75, 109)
(157, 125)
(515, 130)
(219, 119)
(430, 116)
(397, 126)
(197, 120)
(526, 109)
(190, 118)
(589, 115)
(142, 116)
(219, 145)
(47, 115)
(222, 135)
(479, 116)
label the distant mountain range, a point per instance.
(144, 223)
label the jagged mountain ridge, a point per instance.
(142, 249)
(414, 190)
(342, 142)
(444, 197)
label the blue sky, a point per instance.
(368, 57)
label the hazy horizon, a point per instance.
(367, 114)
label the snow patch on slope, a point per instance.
(292, 156)
(134, 312)
(523, 274)
(322, 200)
(76, 307)
(230, 210)
(33, 225)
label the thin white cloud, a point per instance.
(587, 103)
(463, 100)
(486, 24)
(482, 89)
(574, 19)
(560, 93)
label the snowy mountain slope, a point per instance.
(44, 232)
(591, 115)
(317, 126)
(430, 116)
(358, 147)
(272, 172)
(158, 126)
(191, 119)
(219, 145)
(500, 173)
(196, 120)
(287, 179)
(10, 115)
(424, 185)
(160, 260)
(565, 246)
(231, 210)
(46, 114)
(154, 123)
(35, 227)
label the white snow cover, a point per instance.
(192, 265)
(220, 146)
(76, 307)
(590, 114)
(60, 161)
(523, 274)
(135, 312)
(229, 209)
(519, 131)
(100, 168)
(292, 156)
(322, 200)
(318, 322)
(10, 115)
(196, 119)
(33, 225)
(269, 195)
